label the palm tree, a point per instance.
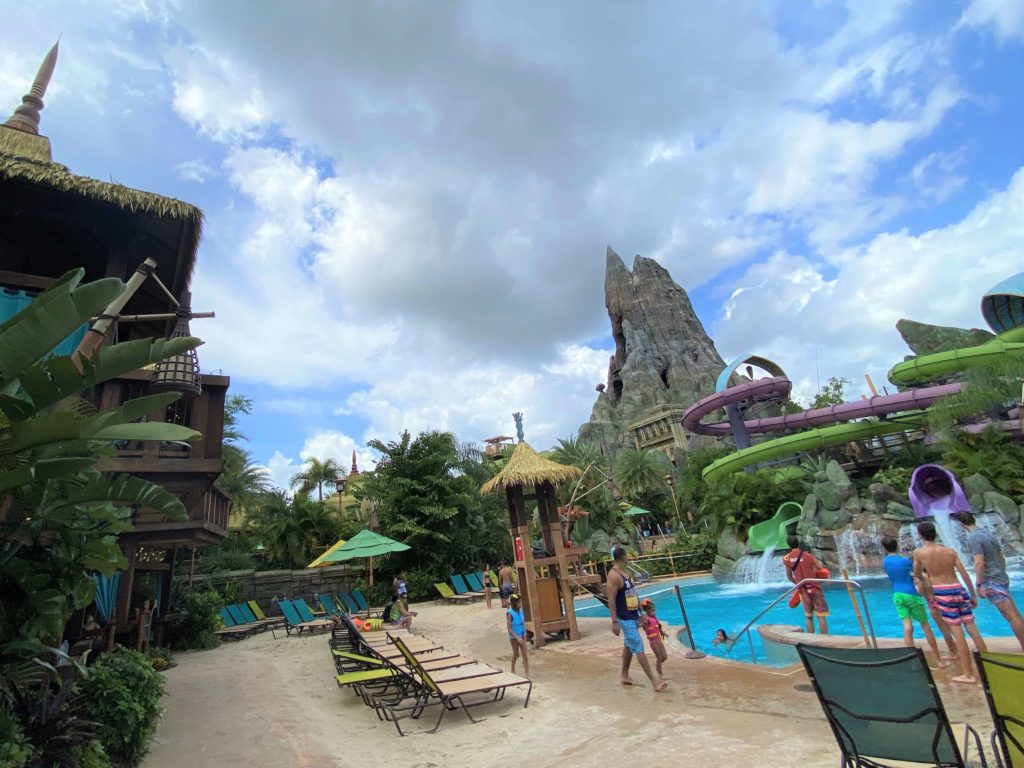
(317, 474)
(292, 530)
(574, 452)
(242, 480)
(642, 473)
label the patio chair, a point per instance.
(461, 588)
(251, 610)
(295, 622)
(459, 693)
(364, 605)
(305, 612)
(241, 620)
(474, 582)
(330, 607)
(494, 580)
(348, 602)
(884, 709)
(231, 630)
(1002, 677)
(448, 596)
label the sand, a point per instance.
(273, 702)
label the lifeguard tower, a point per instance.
(546, 580)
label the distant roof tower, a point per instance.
(355, 470)
(26, 117)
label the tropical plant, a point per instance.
(988, 390)
(687, 484)
(317, 473)
(741, 499)
(832, 392)
(640, 475)
(992, 454)
(196, 620)
(293, 530)
(59, 516)
(123, 691)
(47, 720)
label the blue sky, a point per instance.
(408, 204)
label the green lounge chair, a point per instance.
(450, 597)
(884, 709)
(1002, 677)
(452, 694)
(461, 587)
(494, 580)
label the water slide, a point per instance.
(772, 533)
(868, 416)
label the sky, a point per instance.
(408, 204)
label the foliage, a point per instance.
(897, 478)
(46, 718)
(703, 547)
(640, 476)
(196, 625)
(832, 392)
(91, 755)
(427, 494)
(123, 691)
(59, 516)
(420, 585)
(316, 474)
(687, 483)
(989, 390)
(293, 530)
(159, 657)
(992, 454)
(241, 480)
(745, 498)
(15, 747)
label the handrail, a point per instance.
(791, 590)
(642, 573)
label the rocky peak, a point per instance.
(924, 339)
(663, 355)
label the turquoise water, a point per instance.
(710, 605)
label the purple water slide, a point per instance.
(778, 387)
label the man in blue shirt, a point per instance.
(910, 606)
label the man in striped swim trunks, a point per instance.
(937, 569)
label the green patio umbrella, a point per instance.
(635, 511)
(365, 544)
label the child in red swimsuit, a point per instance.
(655, 634)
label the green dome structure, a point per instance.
(1003, 305)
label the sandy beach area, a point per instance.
(274, 703)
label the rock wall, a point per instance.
(662, 356)
(845, 528)
(264, 586)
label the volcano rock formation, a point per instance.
(663, 356)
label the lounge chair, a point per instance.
(1002, 677)
(461, 588)
(474, 582)
(329, 605)
(295, 622)
(460, 693)
(884, 708)
(364, 606)
(305, 612)
(251, 611)
(231, 630)
(348, 602)
(494, 580)
(450, 597)
(242, 620)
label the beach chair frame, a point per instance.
(869, 660)
(1002, 739)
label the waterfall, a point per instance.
(860, 551)
(766, 568)
(952, 535)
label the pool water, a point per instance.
(710, 605)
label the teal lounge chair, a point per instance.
(295, 622)
(460, 587)
(884, 708)
(348, 602)
(252, 618)
(330, 607)
(236, 613)
(231, 630)
(305, 612)
(364, 606)
(474, 582)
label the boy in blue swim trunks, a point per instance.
(910, 606)
(624, 605)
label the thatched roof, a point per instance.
(527, 467)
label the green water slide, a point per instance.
(920, 370)
(771, 534)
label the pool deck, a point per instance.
(274, 703)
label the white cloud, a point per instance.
(1006, 17)
(787, 310)
(937, 176)
(194, 170)
(220, 98)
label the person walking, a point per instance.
(506, 583)
(624, 605)
(487, 584)
(990, 575)
(910, 606)
(936, 569)
(801, 564)
(515, 624)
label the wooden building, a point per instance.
(52, 221)
(546, 580)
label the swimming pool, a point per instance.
(710, 605)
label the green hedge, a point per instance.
(196, 627)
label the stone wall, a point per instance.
(264, 586)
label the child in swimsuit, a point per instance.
(655, 633)
(516, 626)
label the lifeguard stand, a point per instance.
(545, 582)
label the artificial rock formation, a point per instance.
(663, 356)
(925, 339)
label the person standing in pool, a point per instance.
(910, 606)
(624, 605)
(955, 602)
(990, 573)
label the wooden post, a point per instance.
(672, 561)
(856, 609)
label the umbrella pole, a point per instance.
(371, 571)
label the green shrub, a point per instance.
(196, 627)
(897, 478)
(123, 691)
(92, 755)
(15, 747)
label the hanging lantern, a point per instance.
(179, 373)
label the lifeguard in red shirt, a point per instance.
(801, 564)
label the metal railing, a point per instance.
(850, 584)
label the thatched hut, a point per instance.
(546, 579)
